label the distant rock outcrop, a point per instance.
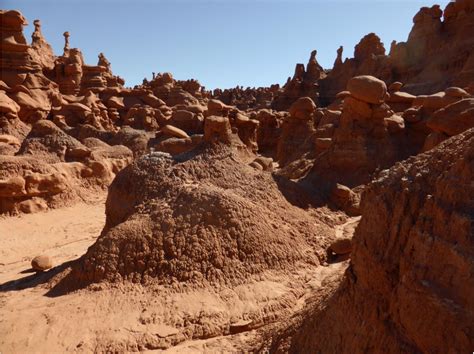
(437, 54)
(303, 84)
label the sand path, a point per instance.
(64, 234)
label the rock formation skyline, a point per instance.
(289, 32)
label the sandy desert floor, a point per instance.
(63, 234)
(32, 320)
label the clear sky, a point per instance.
(220, 43)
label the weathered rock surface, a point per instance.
(151, 214)
(297, 131)
(364, 137)
(454, 118)
(414, 215)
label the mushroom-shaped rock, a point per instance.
(394, 123)
(412, 115)
(367, 88)
(343, 94)
(42, 262)
(401, 97)
(176, 146)
(216, 107)
(395, 86)
(153, 101)
(435, 101)
(247, 131)
(217, 129)
(188, 121)
(357, 106)
(115, 102)
(303, 108)
(344, 198)
(342, 192)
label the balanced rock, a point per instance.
(303, 108)
(367, 88)
(395, 86)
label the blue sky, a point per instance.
(221, 43)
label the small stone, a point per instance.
(42, 262)
(395, 86)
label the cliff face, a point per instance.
(409, 287)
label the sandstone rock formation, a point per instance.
(248, 198)
(304, 83)
(269, 130)
(449, 121)
(413, 215)
(152, 216)
(365, 136)
(16, 63)
(247, 98)
(42, 50)
(369, 59)
(296, 131)
(408, 62)
(437, 54)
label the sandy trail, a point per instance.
(64, 234)
(348, 228)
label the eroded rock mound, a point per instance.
(48, 142)
(409, 282)
(198, 218)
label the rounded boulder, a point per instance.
(367, 88)
(42, 262)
